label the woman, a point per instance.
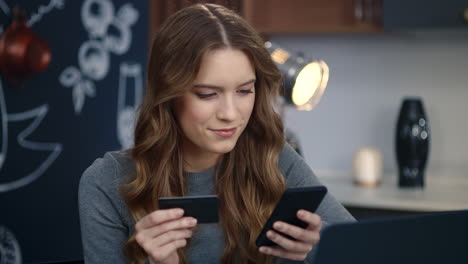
(206, 126)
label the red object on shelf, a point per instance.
(22, 52)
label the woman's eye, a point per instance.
(246, 91)
(205, 95)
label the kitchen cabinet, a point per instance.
(293, 16)
(160, 10)
(331, 16)
(425, 14)
(313, 16)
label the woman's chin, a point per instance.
(223, 148)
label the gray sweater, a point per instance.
(106, 222)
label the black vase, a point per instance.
(412, 143)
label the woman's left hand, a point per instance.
(305, 238)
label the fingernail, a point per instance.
(278, 226)
(270, 234)
(301, 213)
(262, 249)
(193, 221)
(180, 212)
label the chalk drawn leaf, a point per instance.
(127, 14)
(70, 76)
(89, 88)
(78, 97)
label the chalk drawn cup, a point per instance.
(367, 166)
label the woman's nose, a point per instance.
(227, 109)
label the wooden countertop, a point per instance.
(442, 192)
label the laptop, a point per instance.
(431, 238)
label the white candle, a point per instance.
(367, 166)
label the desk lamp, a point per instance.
(304, 82)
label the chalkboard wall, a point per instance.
(58, 122)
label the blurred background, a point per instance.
(59, 116)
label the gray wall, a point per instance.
(369, 76)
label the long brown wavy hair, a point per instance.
(248, 181)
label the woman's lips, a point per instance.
(225, 133)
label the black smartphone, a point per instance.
(204, 208)
(292, 200)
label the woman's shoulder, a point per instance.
(295, 169)
(115, 167)
(287, 158)
(99, 192)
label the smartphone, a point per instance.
(204, 208)
(292, 200)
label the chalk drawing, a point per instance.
(4, 7)
(126, 107)
(81, 89)
(10, 252)
(94, 60)
(42, 10)
(4, 128)
(37, 114)
(55, 149)
(126, 17)
(96, 22)
(99, 19)
(72, 77)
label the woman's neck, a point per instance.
(198, 161)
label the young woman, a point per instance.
(206, 126)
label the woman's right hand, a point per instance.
(162, 232)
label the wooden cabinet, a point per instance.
(313, 16)
(160, 10)
(290, 16)
(332, 16)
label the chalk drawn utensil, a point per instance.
(130, 96)
(45, 9)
